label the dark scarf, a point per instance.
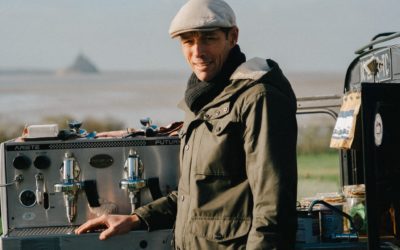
(199, 93)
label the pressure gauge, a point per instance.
(27, 198)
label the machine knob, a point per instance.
(21, 162)
(42, 162)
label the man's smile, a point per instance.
(202, 65)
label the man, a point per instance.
(238, 145)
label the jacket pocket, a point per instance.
(220, 230)
(221, 126)
(220, 151)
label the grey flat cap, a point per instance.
(202, 15)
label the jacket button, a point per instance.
(186, 147)
(217, 113)
(182, 198)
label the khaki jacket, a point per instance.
(238, 168)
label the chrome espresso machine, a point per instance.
(51, 187)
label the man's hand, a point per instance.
(114, 224)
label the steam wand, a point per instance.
(17, 179)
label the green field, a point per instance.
(318, 173)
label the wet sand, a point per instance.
(123, 96)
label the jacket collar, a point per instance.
(243, 77)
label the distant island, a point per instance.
(81, 65)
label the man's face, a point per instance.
(207, 51)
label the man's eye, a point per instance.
(187, 42)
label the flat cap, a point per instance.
(202, 15)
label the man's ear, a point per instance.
(233, 36)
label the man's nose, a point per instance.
(198, 49)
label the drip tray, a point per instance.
(64, 238)
(27, 232)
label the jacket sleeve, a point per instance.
(270, 136)
(159, 214)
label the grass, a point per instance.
(318, 173)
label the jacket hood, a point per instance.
(266, 71)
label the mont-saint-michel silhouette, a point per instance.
(81, 65)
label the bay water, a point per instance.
(121, 96)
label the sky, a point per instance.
(301, 35)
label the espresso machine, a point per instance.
(51, 187)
